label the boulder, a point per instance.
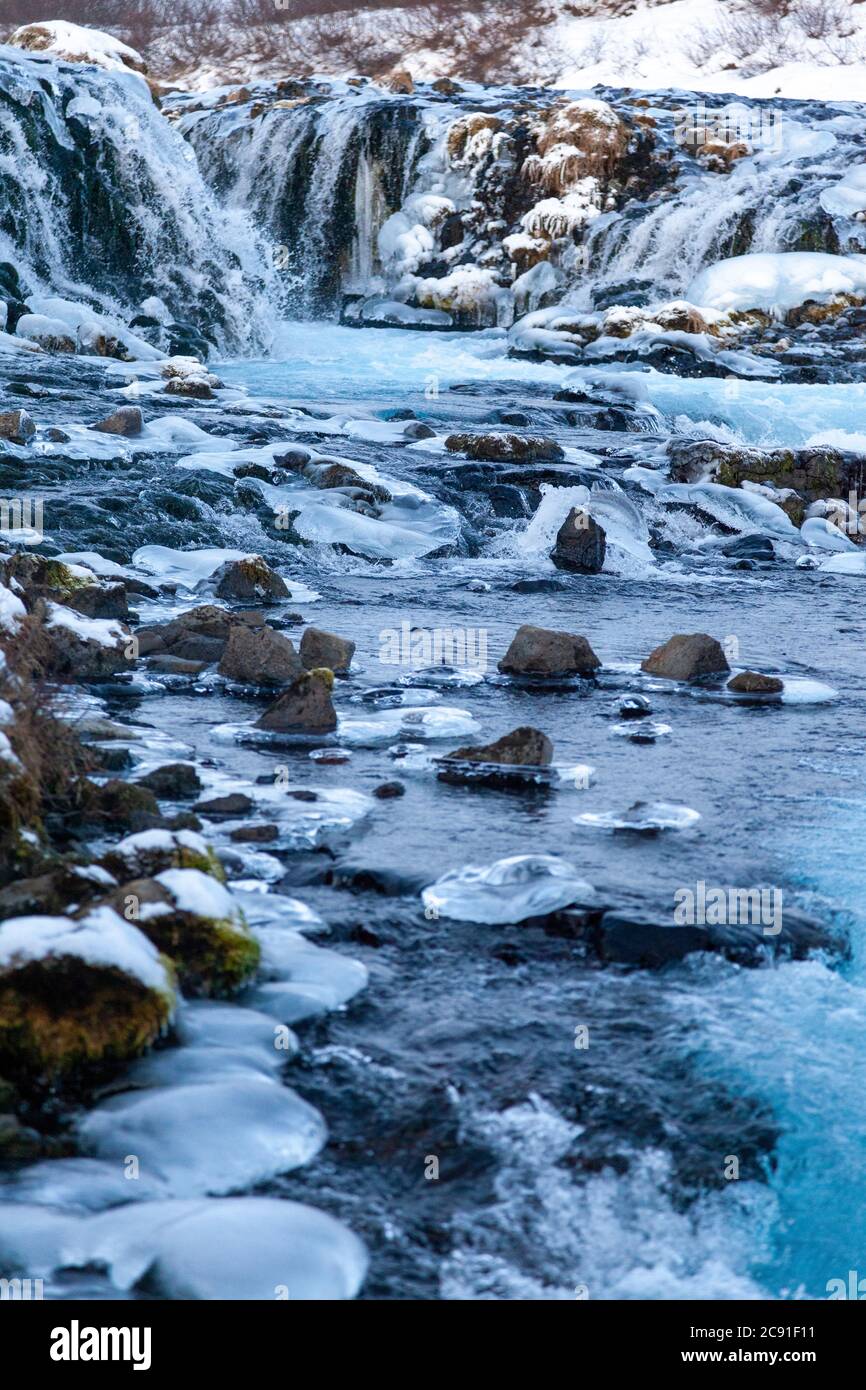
(196, 923)
(127, 420)
(580, 544)
(78, 994)
(196, 388)
(505, 448)
(687, 657)
(17, 426)
(174, 781)
(753, 683)
(250, 580)
(232, 804)
(401, 82)
(814, 471)
(540, 651)
(259, 656)
(80, 648)
(200, 634)
(147, 853)
(320, 648)
(388, 791)
(306, 707)
(523, 747)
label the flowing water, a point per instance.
(474, 1147)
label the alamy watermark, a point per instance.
(708, 905)
(462, 647)
(758, 128)
(23, 518)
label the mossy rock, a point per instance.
(78, 997)
(150, 852)
(212, 956)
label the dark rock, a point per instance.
(418, 430)
(635, 707)
(250, 580)
(174, 780)
(306, 707)
(753, 683)
(167, 665)
(687, 657)
(523, 747)
(540, 651)
(319, 648)
(580, 544)
(234, 804)
(254, 834)
(127, 420)
(386, 791)
(259, 656)
(749, 548)
(200, 634)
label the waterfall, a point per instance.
(101, 200)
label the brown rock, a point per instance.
(17, 426)
(504, 448)
(540, 651)
(306, 707)
(127, 420)
(259, 656)
(523, 747)
(687, 657)
(319, 648)
(753, 683)
(250, 580)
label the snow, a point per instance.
(12, 610)
(101, 939)
(108, 632)
(76, 44)
(194, 891)
(85, 325)
(777, 281)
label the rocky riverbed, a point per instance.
(428, 728)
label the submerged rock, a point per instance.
(541, 651)
(580, 544)
(259, 656)
(753, 683)
(319, 648)
(78, 993)
(306, 707)
(687, 657)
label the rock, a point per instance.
(635, 707)
(17, 426)
(445, 86)
(644, 938)
(418, 430)
(78, 994)
(73, 586)
(149, 852)
(18, 1144)
(685, 657)
(401, 81)
(259, 656)
(753, 683)
(175, 665)
(175, 781)
(540, 651)
(250, 580)
(197, 388)
(504, 448)
(576, 140)
(254, 834)
(749, 548)
(580, 544)
(127, 420)
(306, 707)
(122, 805)
(387, 791)
(194, 922)
(523, 747)
(200, 634)
(80, 648)
(320, 648)
(234, 804)
(52, 335)
(814, 472)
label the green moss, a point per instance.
(213, 957)
(186, 858)
(60, 1018)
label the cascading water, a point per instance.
(101, 200)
